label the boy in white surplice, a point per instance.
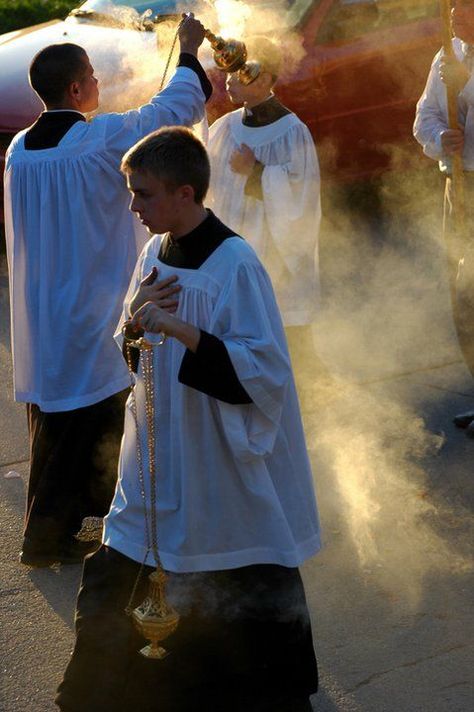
(235, 507)
(265, 157)
(71, 246)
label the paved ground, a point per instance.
(391, 593)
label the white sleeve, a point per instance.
(291, 197)
(182, 103)
(247, 320)
(468, 91)
(431, 114)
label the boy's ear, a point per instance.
(267, 78)
(186, 192)
(73, 91)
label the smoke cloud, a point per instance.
(385, 313)
(131, 70)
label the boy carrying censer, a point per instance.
(214, 487)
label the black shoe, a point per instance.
(71, 552)
(463, 420)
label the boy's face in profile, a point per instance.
(462, 17)
(89, 87)
(238, 93)
(247, 93)
(158, 208)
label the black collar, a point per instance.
(192, 250)
(50, 128)
(265, 113)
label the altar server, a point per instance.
(235, 508)
(441, 143)
(265, 184)
(71, 246)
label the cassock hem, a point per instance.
(215, 562)
(75, 402)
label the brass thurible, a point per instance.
(231, 56)
(155, 619)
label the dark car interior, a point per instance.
(349, 19)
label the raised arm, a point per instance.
(181, 102)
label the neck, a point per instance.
(61, 107)
(258, 100)
(194, 217)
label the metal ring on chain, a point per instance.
(141, 343)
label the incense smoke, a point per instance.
(385, 312)
(131, 71)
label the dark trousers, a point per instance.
(460, 250)
(243, 643)
(73, 468)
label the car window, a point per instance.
(172, 6)
(227, 12)
(140, 6)
(350, 19)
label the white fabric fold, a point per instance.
(72, 244)
(283, 227)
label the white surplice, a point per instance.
(283, 227)
(432, 113)
(72, 244)
(234, 484)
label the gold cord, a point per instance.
(168, 61)
(154, 617)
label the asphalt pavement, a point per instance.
(390, 595)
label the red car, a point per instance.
(364, 67)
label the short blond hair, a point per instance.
(174, 155)
(266, 53)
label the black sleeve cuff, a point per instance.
(253, 186)
(210, 371)
(192, 62)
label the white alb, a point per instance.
(283, 228)
(234, 484)
(72, 244)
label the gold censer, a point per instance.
(155, 619)
(231, 56)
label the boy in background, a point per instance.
(265, 184)
(440, 142)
